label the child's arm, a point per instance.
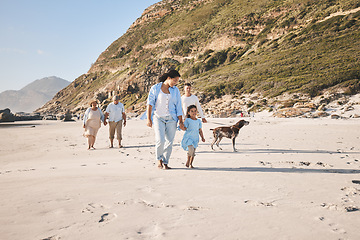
(201, 135)
(186, 125)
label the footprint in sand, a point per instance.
(107, 217)
(149, 204)
(333, 226)
(92, 207)
(26, 170)
(152, 232)
(259, 203)
(263, 163)
(55, 237)
(304, 163)
(331, 206)
(350, 191)
(147, 189)
(193, 208)
(344, 208)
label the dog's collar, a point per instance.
(235, 127)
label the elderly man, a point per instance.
(115, 111)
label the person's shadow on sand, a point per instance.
(274, 170)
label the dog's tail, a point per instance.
(211, 129)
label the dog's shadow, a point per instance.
(278, 170)
(273, 151)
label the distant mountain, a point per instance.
(33, 95)
(227, 47)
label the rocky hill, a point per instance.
(33, 95)
(265, 48)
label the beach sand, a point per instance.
(290, 179)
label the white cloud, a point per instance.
(40, 52)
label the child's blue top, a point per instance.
(191, 136)
(174, 104)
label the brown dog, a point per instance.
(228, 132)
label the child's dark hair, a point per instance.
(171, 74)
(188, 84)
(188, 110)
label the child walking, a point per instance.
(190, 140)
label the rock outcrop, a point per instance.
(6, 116)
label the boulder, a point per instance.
(291, 112)
(335, 116)
(27, 117)
(49, 117)
(319, 114)
(348, 108)
(305, 105)
(6, 116)
(60, 116)
(68, 117)
(322, 107)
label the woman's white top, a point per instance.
(162, 104)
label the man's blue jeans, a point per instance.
(165, 129)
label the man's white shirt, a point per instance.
(192, 100)
(115, 111)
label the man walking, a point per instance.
(189, 99)
(115, 111)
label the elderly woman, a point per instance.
(92, 122)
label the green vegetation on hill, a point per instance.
(234, 47)
(320, 56)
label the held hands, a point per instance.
(105, 122)
(182, 127)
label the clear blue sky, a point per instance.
(42, 38)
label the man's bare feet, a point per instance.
(166, 166)
(160, 165)
(191, 166)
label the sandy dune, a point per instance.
(290, 179)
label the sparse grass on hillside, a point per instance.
(281, 46)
